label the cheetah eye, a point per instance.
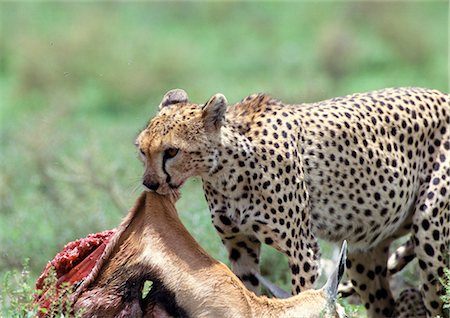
(170, 153)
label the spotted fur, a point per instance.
(397, 260)
(367, 168)
(410, 305)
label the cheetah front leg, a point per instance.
(303, 254)
(367, 272)
(243, 249)
(243, 253)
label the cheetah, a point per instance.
(366, 168)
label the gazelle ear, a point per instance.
(331, 286)
(174, 96)
(214, 112)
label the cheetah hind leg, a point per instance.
(410, 304)
(402, 256)
(346, 289)
(431, 231)
(367, 272)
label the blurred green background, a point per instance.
(80, 79)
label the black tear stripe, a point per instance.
(168, 178)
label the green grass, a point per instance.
(17, 296)
(78, 81)
(445, 281)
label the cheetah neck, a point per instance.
(232, 151)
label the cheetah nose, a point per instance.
(151, 185)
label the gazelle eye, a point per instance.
(170, 153)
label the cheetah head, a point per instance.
(180, 141)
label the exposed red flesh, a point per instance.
(73, 263)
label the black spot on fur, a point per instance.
(234, 254)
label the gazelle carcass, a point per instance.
(152, 244)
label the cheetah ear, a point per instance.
(174, 96)
(331, 286)
(214, 111)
